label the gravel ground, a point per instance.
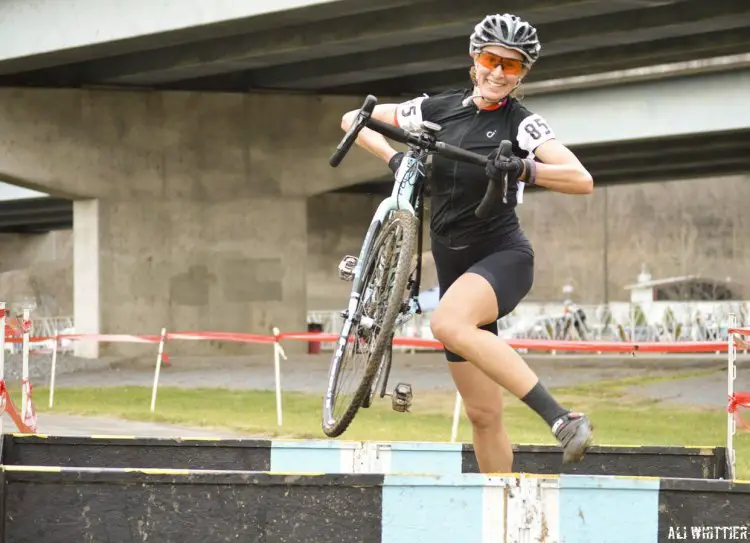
(40, 365)
(73, 425)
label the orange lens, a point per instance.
(510, 66)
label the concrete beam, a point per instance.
(180, 144)
(408, 25)
(46, 32)
(584, 35)
(551, 69)
(648, 109)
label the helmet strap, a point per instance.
(493, 104)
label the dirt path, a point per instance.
(74, 425)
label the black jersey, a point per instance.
(458, 187)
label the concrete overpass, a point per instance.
(190, 207)
(354, 47)
(399, 48)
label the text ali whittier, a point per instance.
(709, 533)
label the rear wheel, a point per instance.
(369, 331)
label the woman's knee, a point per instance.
(485, 416)
(453, 329)
(468, 304)
(445, 325)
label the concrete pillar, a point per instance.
(86, 270)
(229, 266)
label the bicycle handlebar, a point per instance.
(364, 118)
(346, 143)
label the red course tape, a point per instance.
(527, 344)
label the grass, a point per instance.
(619, 418)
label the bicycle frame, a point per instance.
(406, 193)
(403, 196)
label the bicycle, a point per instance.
(394, 231)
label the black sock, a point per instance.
(541, 401)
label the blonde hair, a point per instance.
(516, 93)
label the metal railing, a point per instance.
(619, 321)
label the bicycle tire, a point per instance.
(334, 428)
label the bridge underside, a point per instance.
(35, 215)
(397, 47)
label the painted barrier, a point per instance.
(114, 504)
(346, 456)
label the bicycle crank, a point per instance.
(401, 397)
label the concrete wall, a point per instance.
(336, 227)
(220, 266)
(337, 224)
(190, 208)
(38, 268)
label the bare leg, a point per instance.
(483, 402)
(469, 303)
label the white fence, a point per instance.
(617, 321)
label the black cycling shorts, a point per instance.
(507, 266)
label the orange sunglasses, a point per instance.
(510, 66)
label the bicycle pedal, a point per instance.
(346, 267)
(401, 397)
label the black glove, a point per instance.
(498, 166)
(395, 162)
(518, 169)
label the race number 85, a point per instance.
(535, 130)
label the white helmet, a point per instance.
(508, 31)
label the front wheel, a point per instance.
(369, 330)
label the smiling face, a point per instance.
(498, 71)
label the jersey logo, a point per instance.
(491, 134)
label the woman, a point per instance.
(485, 267)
